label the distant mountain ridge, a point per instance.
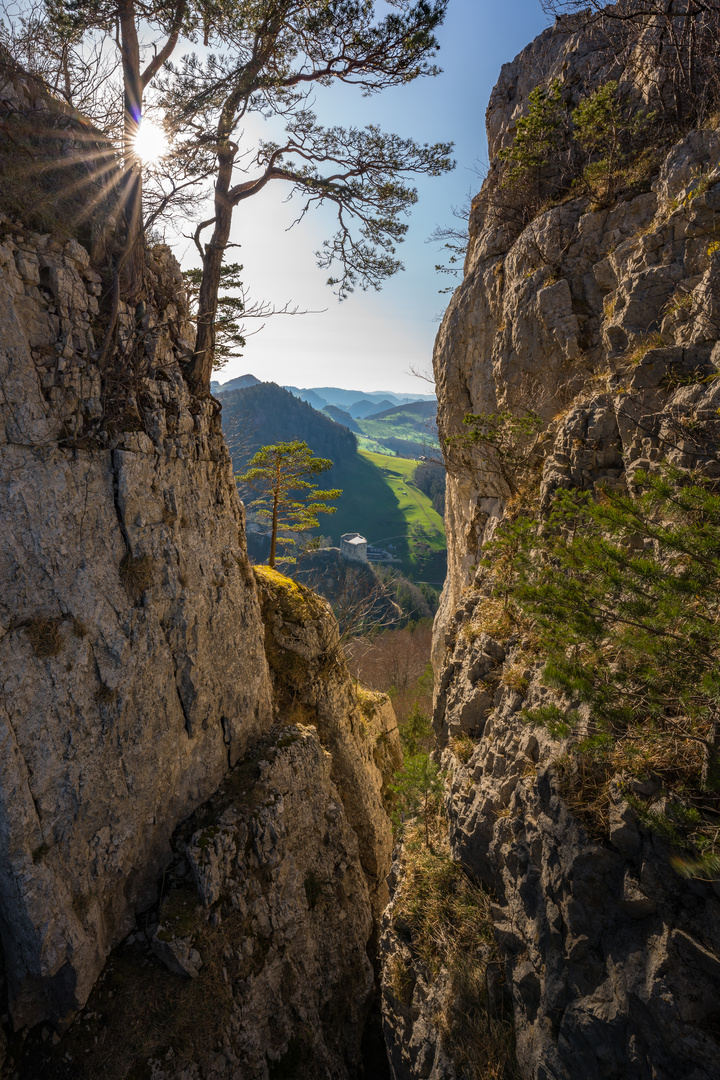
(343, 399)
(365, 406)
(320, 396)
(240, 383)
(264, 413)
(341, 417)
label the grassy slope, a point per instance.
(415, 430)
(380, 501)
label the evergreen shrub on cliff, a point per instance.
(624, 594)
(603, 146)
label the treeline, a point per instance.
(431, 479)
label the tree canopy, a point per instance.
(622, 593)
(265, 58)
(256, 65)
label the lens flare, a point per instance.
(150, 142)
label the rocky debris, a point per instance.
(265, 907)
(177, 954)
(606, 324)
(133, 671)
(410, 1029)
(311, 683)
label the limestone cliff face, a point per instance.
(543, 315)
(131, 646)
(185, 764)
(613, 960)
(143, 664)
(254, 962)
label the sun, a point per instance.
(150, 142)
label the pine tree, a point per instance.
(286, 496)
(418, 788)
(624, 594)
(599, 127)
(231, 309)
(264, 60)
(540, 149)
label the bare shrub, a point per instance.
(396, 662)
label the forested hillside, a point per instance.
(265, 413)
(378, 502)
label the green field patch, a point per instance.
(404, 434)
(381, 501)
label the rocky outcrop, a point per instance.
(605, 322)
(311, 685)
(611, 956)
(133, 670)
(60, 174)
(253, 965)
(546, 314)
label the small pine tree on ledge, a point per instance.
(624, 594)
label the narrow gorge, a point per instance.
(199, 874)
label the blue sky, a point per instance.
(371, 340)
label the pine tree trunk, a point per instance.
(273, 537)
(133, 258)
(199, 370)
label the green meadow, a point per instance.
(381, 501)
(404, 433)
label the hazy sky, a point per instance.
(371, 340)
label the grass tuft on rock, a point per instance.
(137, 573)
(44, 635)
(451, 935)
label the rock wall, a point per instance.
(613, 960)
(253, 964)
(311, 684)
(131, 647)
(611, 957)
(545, 314)
(185, 764)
